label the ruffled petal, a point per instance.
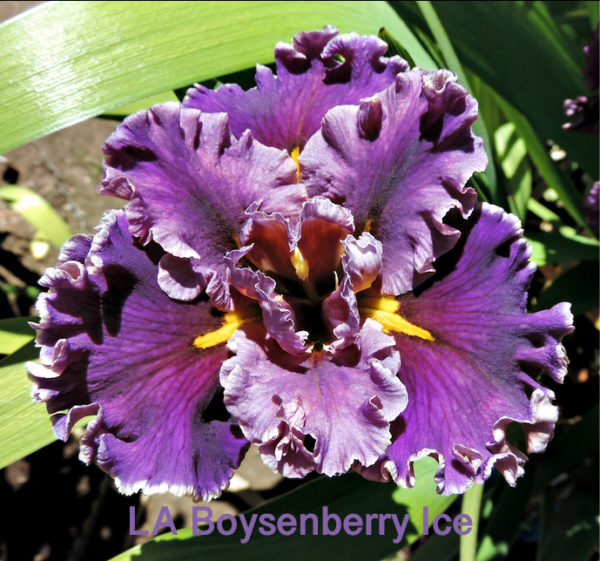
(399, 161)
(323, 226)
(189, 182)
(115, 346)
(477, 376)
(181, 278)
(286, 110)
(363, 259)
(317, 411)
(301, 262)
(278, 316)
(361, 264)
(272, 240)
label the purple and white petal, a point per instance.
(319, 411)
(317, 72)
(115, 346)
(189, 183)
(477, 376)
(362, 261)
(399, 161)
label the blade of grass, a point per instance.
(124, 110)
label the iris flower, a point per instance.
(300, 266)
(585, 108)
(591, 207)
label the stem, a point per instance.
(471, 506)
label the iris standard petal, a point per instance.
(314, 74)
(115, 346)
(399, 161)
(477, 374)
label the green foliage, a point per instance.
(578, 285)
(14, 333)
(24, 426)
(128, 51)
(452, 63)
(518, 50)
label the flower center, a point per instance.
(300, 264)
(307, 280)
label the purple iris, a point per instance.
(591, 207)
(584, 109)
(302, 267)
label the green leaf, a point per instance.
(437, 548)
(134, 107)
(37, 212)
(487, 100)
(14, 333)
(452, 62)
(554, 177)
(593, 9)
(516, 48)
(67, 61)
(343, 495)
(578, 285)
(576, 18)
(512, 154)
(543, 212)
(569, 526)
(24, 426)
(504, 524)
(561, 248)
(566, 451)
(395, 47)
(423, 494)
